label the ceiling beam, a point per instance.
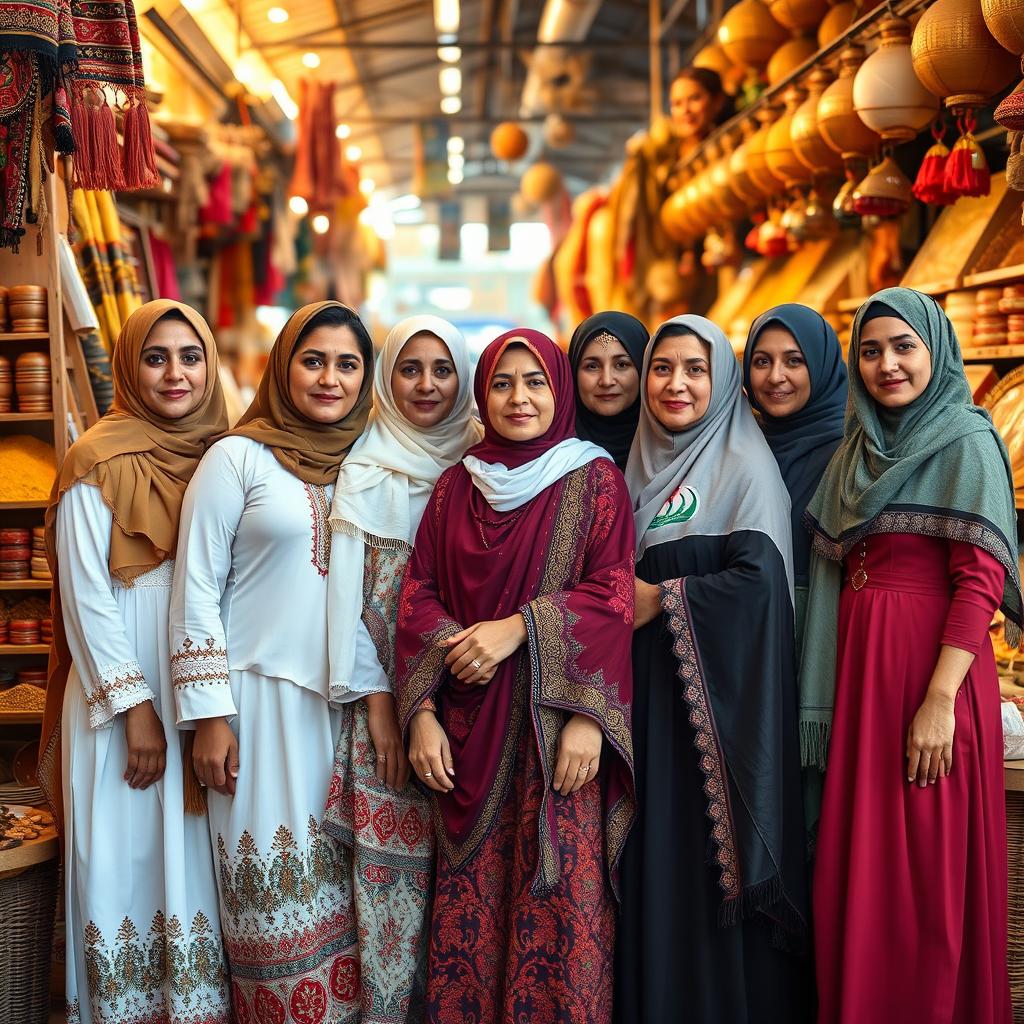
(466, 45)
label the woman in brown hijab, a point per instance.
(250, 669)
(111, 763)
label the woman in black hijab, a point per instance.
(606, 353)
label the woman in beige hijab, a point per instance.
(138, 873)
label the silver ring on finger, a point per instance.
(584, 769)
(477, 664)
(382, 757)
(428, 775)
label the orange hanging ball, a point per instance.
(540, 183)
(509, 141)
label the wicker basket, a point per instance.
(1015, 857)
(28, 901)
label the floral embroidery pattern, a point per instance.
(288, 927)
(118, 688)
(199, 665)
(320, 513)
(682, 505)
(172, 975)
(712, 762)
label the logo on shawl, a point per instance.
(681, 507)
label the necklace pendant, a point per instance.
(858, 579)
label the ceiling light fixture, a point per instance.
(343, 131)
(450, 80)
(288, 106)
(456, 144)
(449, 54)
(450, 104)
(321, 224)
(298, 206)
(278, 15)
(353, 153)
(456, 161)
(367, 185)
(311, 60)
(454, 176)
(446, 17)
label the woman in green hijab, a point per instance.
(914, 547)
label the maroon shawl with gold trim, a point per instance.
(565, 561)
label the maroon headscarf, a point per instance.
(513, 454)
(565, 560)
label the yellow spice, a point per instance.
(28, 468)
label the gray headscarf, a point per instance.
(714, 478)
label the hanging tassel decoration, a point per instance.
(929, 185)
(140, 170)
(97, 157)
(967, 172)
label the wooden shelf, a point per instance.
(1001, 275)
(26, 584)
(11, 506)
(30, 852)
(21, 717)
(25, 336)
(24, 648)
(985, 354)
(25, 417)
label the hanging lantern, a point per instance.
(779, 152)
(1005, 20)
(798, 15)
(887, 94)
(757, 162)
(838, 121)
(842, 206)
(739, 175)
(726, 198)
(509, 141)
(885, 192)
(818, 219)
(1010, 113)
(957, 58)
(540, 183)
(789, 56)
(808, 145)
(714, 59)
(749, 35)
(836, 22)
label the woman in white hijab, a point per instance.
(422, 423)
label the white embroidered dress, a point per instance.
(143, 938)
(249, 642)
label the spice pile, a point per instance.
(28, 468)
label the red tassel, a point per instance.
(967, 172)
(929, 186)
(97, 164)
(140, 170)
(752, 241)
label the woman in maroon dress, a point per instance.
(914, 537)
(513, 653)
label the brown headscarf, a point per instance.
(141, 464)
(311, 451)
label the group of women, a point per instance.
(655, 687)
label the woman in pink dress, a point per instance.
(914, 535)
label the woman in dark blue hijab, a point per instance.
(795, 379)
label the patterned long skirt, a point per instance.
(500, 954)
(387, 844)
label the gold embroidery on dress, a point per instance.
(320, 512)
(199, 665)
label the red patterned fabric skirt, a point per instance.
(499, 953)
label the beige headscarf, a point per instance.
(141, 464)
(311, 451)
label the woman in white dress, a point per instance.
(250, 669)
(143, 938)
(422, 423)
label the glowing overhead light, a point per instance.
(288, 106)
(407, 202)
(455, 176)
(321, 224)
(353, 153)
(248, 70)
(298, 206)
(450, 80)
(456, 144)
(311, 60)
(278, 15)
(450, 104)
(367, 185)
(342, 131)
(449, 54)
(446, 17)
(192, 5)
(456, 161)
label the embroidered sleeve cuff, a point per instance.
(202, 685)
(345, 693)
(116, 689)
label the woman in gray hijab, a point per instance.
(714, 885)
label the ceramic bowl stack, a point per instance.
(40, 566)
(6, 385)
(1012, 304)
(32, 382)
(5, 323)
(26, 308)
(960, 310)
(15, 554)
(23, 632)
(989, 323)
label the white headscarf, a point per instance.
(385, 482)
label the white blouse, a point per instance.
(93, 607)
(250, 586)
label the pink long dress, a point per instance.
(910, 883)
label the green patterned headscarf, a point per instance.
(937, 467)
